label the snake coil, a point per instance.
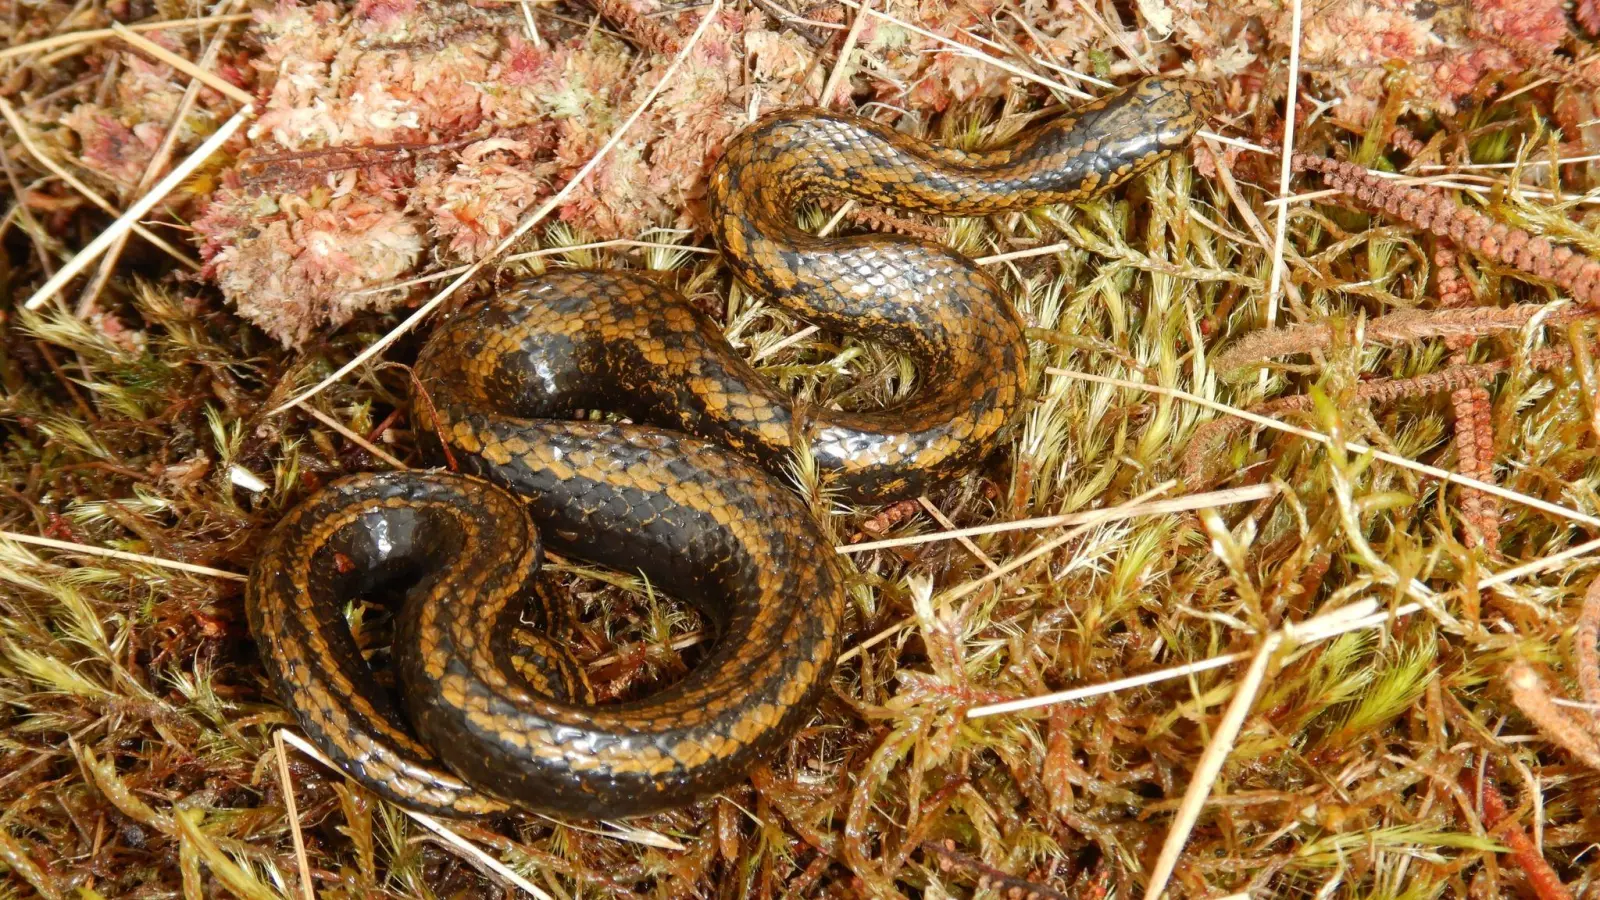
(498, 712)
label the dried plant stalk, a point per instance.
(1474, 416)
(1437, 213)
(1406, 326)
(1531, 695)
(1475, 452)
(1588, 638)
(1454, 292)
(882, 219)
(1538, 59)
(630, 18)
(887, 518)
(1407, 142)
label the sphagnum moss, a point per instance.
(135, 734)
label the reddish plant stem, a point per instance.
(990, 878)
(1541, 877)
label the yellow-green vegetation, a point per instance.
(137, 756)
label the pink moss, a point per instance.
(1540, 24)
(303, 259)
(385, 13)
(476, 203)
(515, 120)
(110, 147)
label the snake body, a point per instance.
(497, 712)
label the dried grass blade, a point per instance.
(100, 34)
(54, 544)
(1189, 503)
(434, 825)
(209, 79)
(128, 219)
(1205, 775)
(1285, 171)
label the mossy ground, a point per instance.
(136, 732)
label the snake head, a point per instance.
(1172, 108)
(1111, 140)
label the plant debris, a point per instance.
(1441, 277)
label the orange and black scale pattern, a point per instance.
(926, 300)
(495, 711)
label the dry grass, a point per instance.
(1418, 744)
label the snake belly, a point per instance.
(494, 710)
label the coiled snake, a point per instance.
(500, 713)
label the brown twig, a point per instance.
(271, 168)
(883, 220)
(67, 384)
(388, 422)
(636, 23)
(814, 870)
(887, 518)
(421, 392)
(990, 878)
(1538, 59)
(355, 438)
(441, 40)
(1454, 292)
(1474, 414)
(1406, 142)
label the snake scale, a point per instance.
(494, 711)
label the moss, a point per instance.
(136, 749)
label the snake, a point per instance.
(600, 415)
